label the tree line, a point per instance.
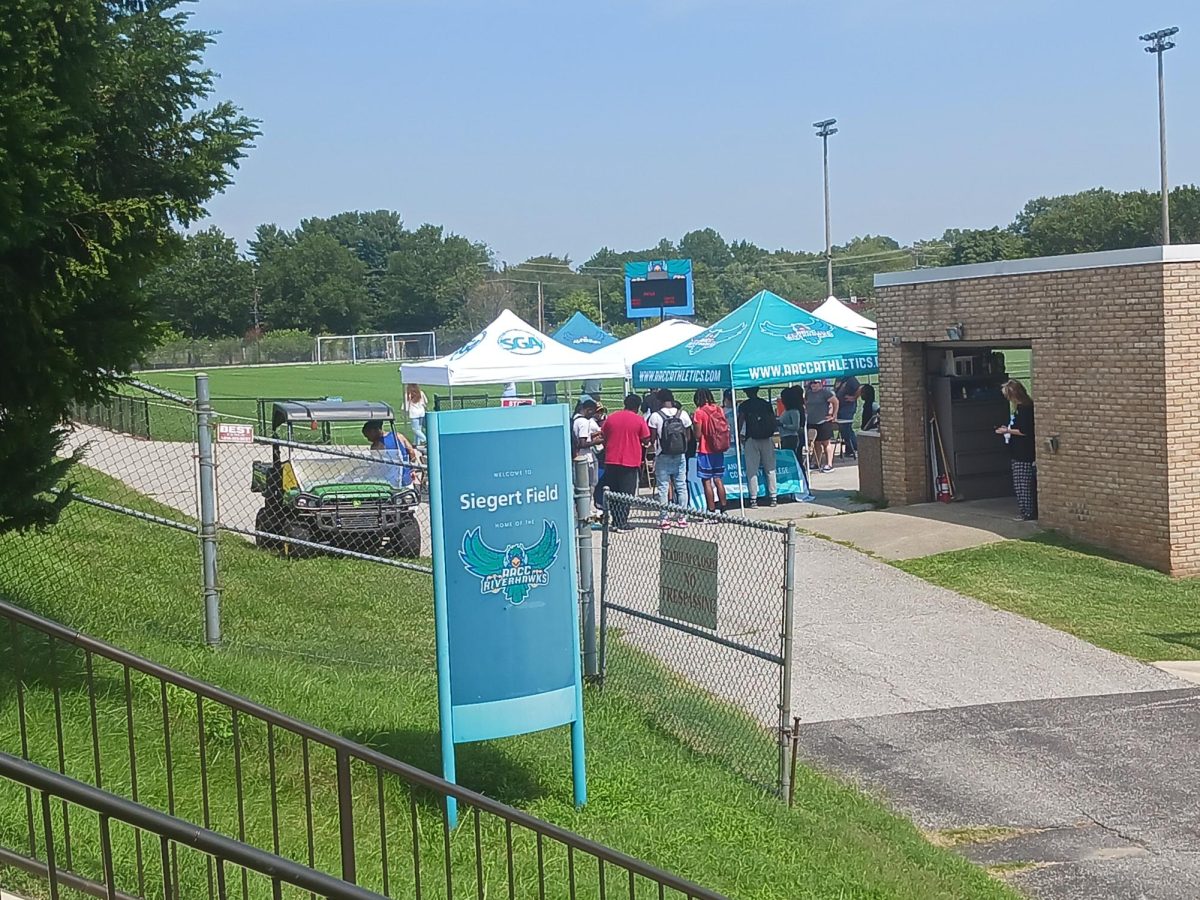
(366, 271)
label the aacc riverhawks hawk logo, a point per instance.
(706, 340)
(798, 331)
(514, 571)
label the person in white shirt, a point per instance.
(672, 430)
(585, 436)
(415, 404)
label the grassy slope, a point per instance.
(350, 647)
(1126, 608)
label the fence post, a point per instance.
(345, 800)
(604, 592)
(587, 578)
(785, 688)
(208, 511)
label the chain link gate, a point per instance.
(712, 603)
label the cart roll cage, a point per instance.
(329, 411)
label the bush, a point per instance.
(286, 345)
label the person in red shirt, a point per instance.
(626, 436)
(713, 439)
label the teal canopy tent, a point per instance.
(581, 333)
(764, 341)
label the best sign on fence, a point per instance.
(228, 433)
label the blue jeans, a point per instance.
(418, 427)
(849, 440)
(670, 468)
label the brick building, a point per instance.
(1115, 370)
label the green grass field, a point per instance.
(1077, 589)
(374, 381)
(349, 647)
(236, 390)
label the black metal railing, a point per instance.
(116, 820)
(116, 412)
(125, 724)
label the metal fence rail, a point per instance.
(712, 602)
(164, 738)
(226, 861)
(116, 412)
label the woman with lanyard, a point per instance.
(1019, 436)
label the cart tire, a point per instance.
(264, 521)
(406, 540)
(299, 532)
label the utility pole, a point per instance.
(541, 302)
(824, 130)
(600, 302)
(1159, 44)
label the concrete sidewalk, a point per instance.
(868, 639)
(871, 640)
(908, 532)
(902, 532)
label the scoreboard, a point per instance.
(659, 288)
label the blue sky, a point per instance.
(561, 127)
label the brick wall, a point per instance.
(1116, 366)
(1181, 302)
(870, 466)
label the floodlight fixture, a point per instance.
(1158, 45)
(825, 130)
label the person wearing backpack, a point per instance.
(672, 431)
(712, 440)
(756, 420)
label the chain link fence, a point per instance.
(711, 601)
(149, 459)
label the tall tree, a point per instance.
(985, 245)
(109, 140)
(313, 282)
(207, 290)
(429, 277)
(705, 246)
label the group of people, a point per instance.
(657, 422)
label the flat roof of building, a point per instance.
(1137, 256)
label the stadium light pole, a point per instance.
(824, 130)
(1159, 44)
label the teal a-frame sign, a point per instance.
(504, 579)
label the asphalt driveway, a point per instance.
(1095, 796)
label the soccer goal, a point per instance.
(363, 348)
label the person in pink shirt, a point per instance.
(626, 436)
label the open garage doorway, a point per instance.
(968, 460)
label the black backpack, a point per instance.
(672, 436)
(760, 419)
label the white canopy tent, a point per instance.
(643, 344)
(835, 312)
(510, 350)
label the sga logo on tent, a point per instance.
(519, 341)
(514, 571)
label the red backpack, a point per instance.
(715, 428)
